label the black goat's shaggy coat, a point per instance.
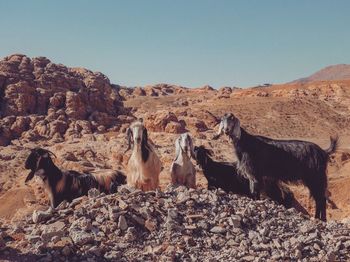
(284, 160)
(225, 175)
(67, 185)
(221, 174)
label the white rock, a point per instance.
(122, 223)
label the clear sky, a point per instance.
(186, 42)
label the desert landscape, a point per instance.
(82, 117)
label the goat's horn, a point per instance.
(51, 153)
(219, 132)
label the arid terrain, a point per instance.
(81, 117)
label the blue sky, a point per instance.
(191, 43)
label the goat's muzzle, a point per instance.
(186, 149)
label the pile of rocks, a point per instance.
(177, 224)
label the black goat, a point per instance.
(67, 185)
(284, 160)
(221, 174)
(224, 175)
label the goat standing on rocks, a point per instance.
(225, 175)
(144, 165)
(285, 160)
(221, 174)
(182, 170)
(67, 185)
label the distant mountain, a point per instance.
(333, 72)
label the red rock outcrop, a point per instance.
(41, 99)
(164, 121)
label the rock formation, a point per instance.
(40, 99)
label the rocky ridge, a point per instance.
(44, 100)
(175, 225)
(333, 72)
(74, 112)
(41, 100)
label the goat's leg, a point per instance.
(254, 188)
(323, 215)
(191, 181)
(254, 185)
(211, 186)
(318, 192)
(246, 169)
(55, 201)
(321, 208)
(317, 210)
(173, 174)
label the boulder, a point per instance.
(159, 122)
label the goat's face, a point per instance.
(201, 154)
(230, 126)
(136, 135)
(36, 162)
(139, 133)
(184, 141)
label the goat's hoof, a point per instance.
(255, 196)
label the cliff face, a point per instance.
(41, 99)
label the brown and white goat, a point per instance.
(144, 165)
(182, 170)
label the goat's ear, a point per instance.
(51, 153)
(177, 146)
(191, 147)
(30, 176)
(218, 121)
(237, 129)
(144, 135)
(31, 161)
(210, 152)
(220, 131)
(129, 138)
(128, 132)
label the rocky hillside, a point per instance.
(333, 72)
(43, 100)
(174, 225)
